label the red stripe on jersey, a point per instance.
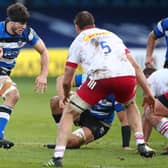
(71, 64)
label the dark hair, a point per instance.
(83, 19)
(148, 71)
(17, 12)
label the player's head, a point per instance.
(18, 15)
(148, 71)
(84, 20)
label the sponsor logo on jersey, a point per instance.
(90, 36)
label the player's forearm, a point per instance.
(139, 75)
(151, 43)
(67, 80)
(67, 89)
(59, 86)
(44, 63)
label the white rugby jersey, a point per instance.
(158, 82)
(101, 53)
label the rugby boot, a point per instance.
(145, 150)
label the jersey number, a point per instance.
(105, 47)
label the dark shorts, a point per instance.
(96, 126)
(163, 99)
(165, 64)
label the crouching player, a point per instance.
(95, 122)
(158, 81)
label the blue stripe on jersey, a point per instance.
(104, 109)
(79, 79)
(118, 107)
(12, 44)
(6, 65)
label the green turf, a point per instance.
(31, 126)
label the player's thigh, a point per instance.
(81, 136)
(161, 110)
(8, 91)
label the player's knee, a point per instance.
(147, 113)
(74, 141)
(8, 89)
(13, 95)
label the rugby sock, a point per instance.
(139, 137)
(57, 117)
(162, 127)
(59, 151)
(5, 112)
(126, 134)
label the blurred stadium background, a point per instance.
(132, 20)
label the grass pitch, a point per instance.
(31, 126)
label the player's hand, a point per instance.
(149, 63)
(149, 100)
(61, 103)
(1, 53)
(40, 84)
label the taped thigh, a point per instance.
(78, 104)
(6, 86)
(80, 133)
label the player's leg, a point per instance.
(78, 103)
(133, 113)
(10, 95)
(125, 129)
(79, 137)
(134, 119)
(147, 127)
(91, 128)
(158, 119)
(64, 132)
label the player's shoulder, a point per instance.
(2, 23)
(2, 26)
(165, 19)
(164, 22)
(30, 33)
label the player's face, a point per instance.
(18, 27)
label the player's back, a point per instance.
(158, 81)
(102, 50)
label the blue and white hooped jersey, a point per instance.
(105, 109)
(12, 44)
(161, 30)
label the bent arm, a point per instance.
(141, 79)
(42, 50)
(41, 80)
(151, 43)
